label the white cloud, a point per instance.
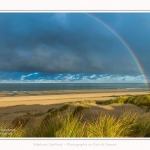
(76, 78)
(25, 76)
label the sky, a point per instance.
(74, 47)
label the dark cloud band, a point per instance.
(71, 43)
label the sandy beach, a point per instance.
(17, 104)
(58, 97)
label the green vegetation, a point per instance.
(109, 126)
(70, 126)
(84, 102)
(105, 125)
(21, 121)
(140, 100)
(65, 122)
(79, 109)
(64, 107)
(6, 131)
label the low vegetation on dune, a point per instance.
(139, 100)
(66, 122)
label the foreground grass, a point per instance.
(63, 122)
(105, 125)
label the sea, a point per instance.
(8, 87)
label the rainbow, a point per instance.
(124, 43)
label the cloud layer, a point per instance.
(73, 43)
(68, 78)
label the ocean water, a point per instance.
(69, 86)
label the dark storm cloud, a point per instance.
(134, 28)
(68, 43)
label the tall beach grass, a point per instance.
(105, 125)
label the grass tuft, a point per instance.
(79, 109)
(21, 121)
(71, 126)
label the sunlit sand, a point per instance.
(35, 102)
(57, 97)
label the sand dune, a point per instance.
(14, 106)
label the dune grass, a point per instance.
(105, 125)
(84, 102)
(79, 109)
(62, 122)
(6, 131)
(71, 126)
(139, 100)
